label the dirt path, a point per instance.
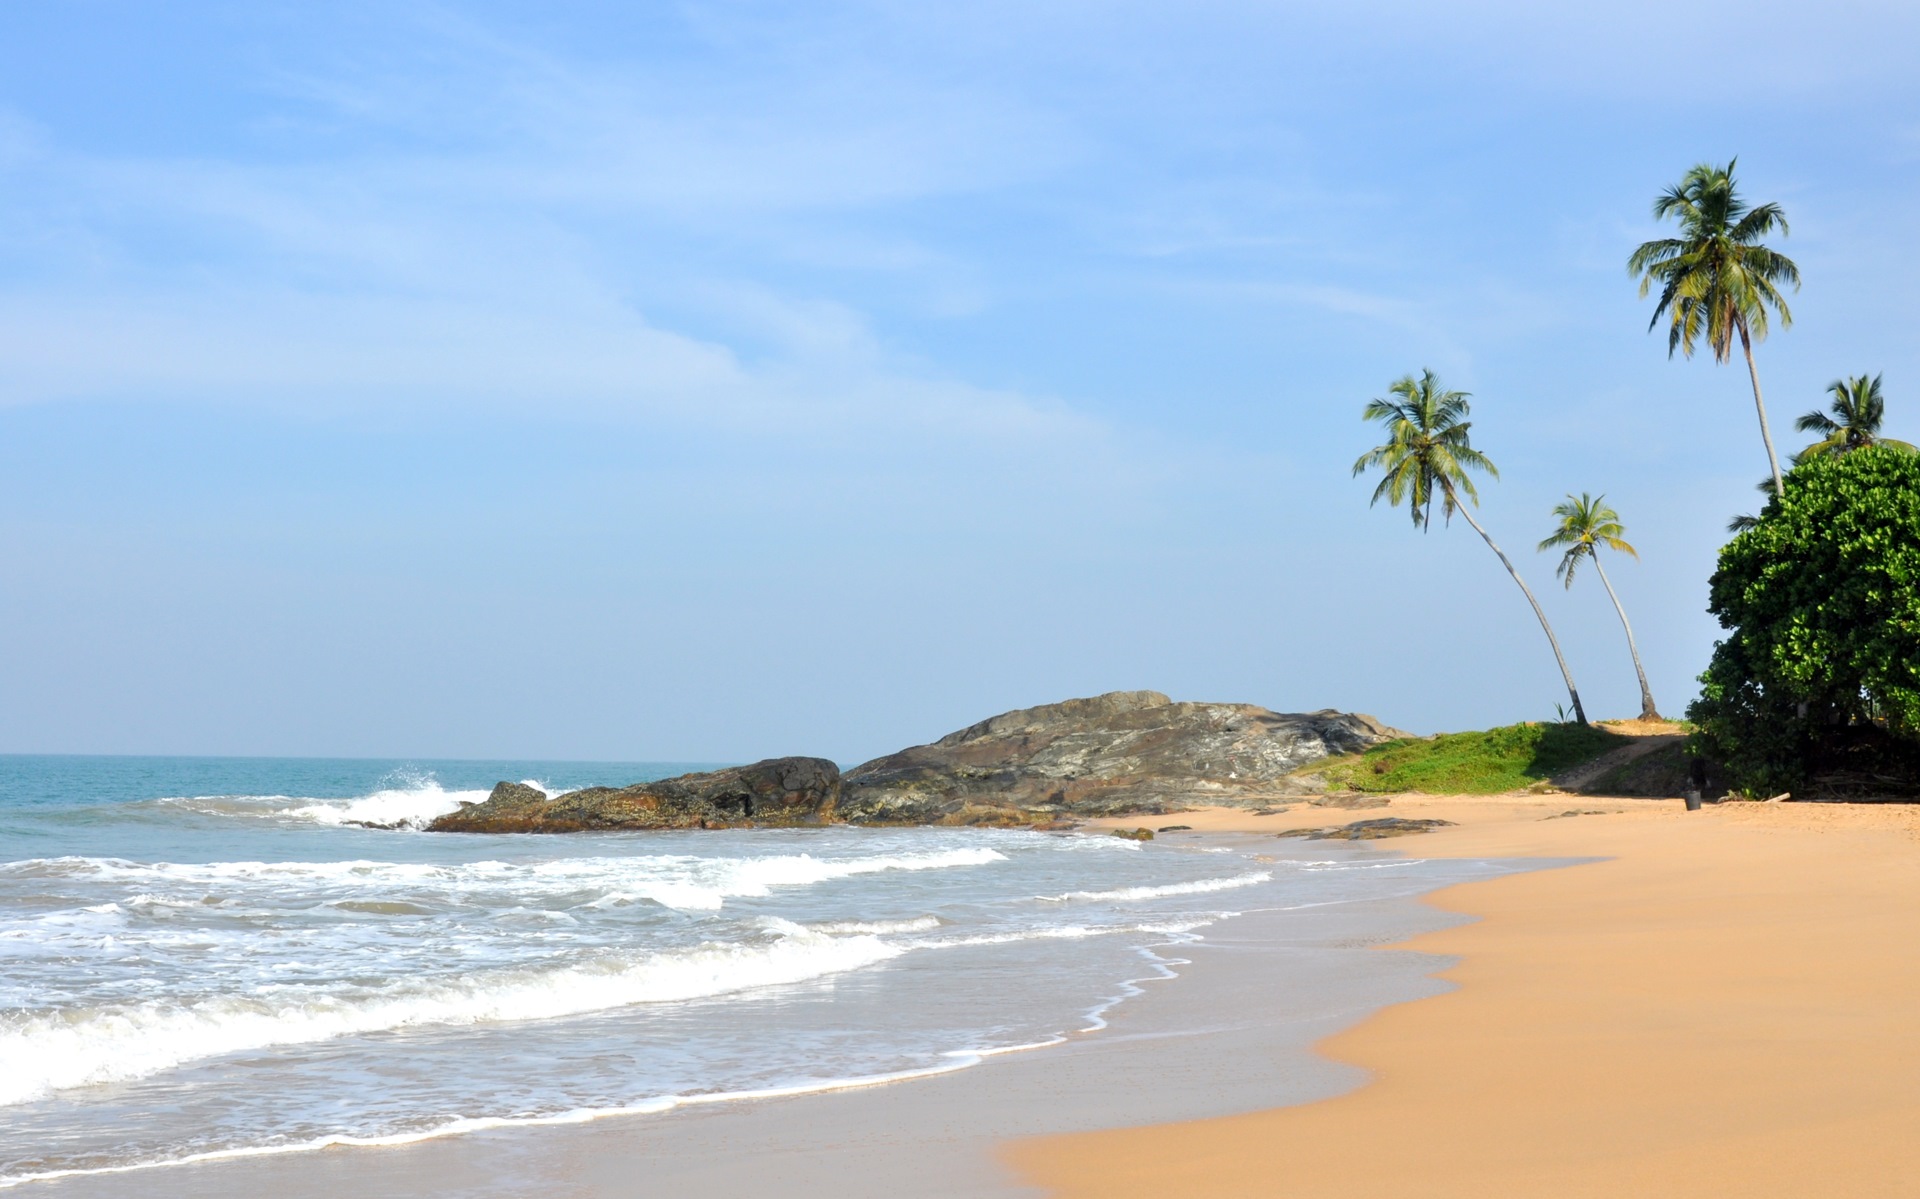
(1643, 744)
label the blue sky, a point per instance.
(713, 381)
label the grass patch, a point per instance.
(1509, 758)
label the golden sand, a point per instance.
(1727, 1005)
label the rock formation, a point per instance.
(778, 792)
(1368, 830)
(1124, 752)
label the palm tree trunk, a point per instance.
(1773, 460)
(1647, 710)
(1579, 713)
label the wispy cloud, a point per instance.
(512, 251)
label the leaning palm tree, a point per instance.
(1858, 409)
(1586, 527)
(1716, 280)
(1428, 452)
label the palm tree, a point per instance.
(1586, 526)
(1716, 278)
(1429, 451)
(1860, 407)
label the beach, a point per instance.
(1233, 1031)
(1722, 1004)
(1606, 997)
(219, 983)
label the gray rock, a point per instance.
(1350, 800)
(1368, 830)
(1126, 752)
(779, 792)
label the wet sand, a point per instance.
(1727, 1005)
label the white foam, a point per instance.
(411, 805)
(705, 884)
(1201, 887)
(43, 1053)
(1073, 932)
(682, 881)
(878, 928)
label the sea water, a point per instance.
(216, 957)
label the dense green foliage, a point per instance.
(1819, 676)
(1486, 763)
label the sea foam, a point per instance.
(45, 1052)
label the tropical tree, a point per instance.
(1819, 671)
(1716, 279)
(1428, 453)
(1858, 408)
(1587, 526)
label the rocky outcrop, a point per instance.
(778, 792)
(1368, 830)
(1123, 752)
(1127, 752)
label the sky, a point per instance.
(713, 381)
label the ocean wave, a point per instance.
(705, 884)
(47, 1052)
(878, 928)
(682, 881)
(1071, 932)
(411, 804)
(1200, 887)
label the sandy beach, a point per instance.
(1233, 1033)
(1722, 1005)
(1711, 1003)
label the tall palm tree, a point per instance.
(1858, 409)
(1716, 279)
(1428, 451)
(1586, 527)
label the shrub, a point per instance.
(1820, 672)
(1483, 763)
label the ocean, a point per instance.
(207, 957)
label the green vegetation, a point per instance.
(1510, 758)
(1429, 449)
(1818, 680)
(1586, 527)
(1716, 279)
(1819, 677)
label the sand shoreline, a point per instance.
(1713, 1003)
(1233, 1033)
(1721, 1005)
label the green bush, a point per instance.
(1819, 676)
(1508, 758)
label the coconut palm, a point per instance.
(1858, 408)
(1716, 280)
(1429, 452)
(1586, 527)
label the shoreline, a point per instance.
(1714, 1003)
(1210, 1041)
